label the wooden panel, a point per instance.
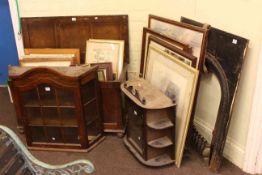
(106, 31)
(72, 32)
(111, 105)
(39, 33)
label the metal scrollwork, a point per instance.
(37, 167)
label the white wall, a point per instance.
(253, 157)
(241, 17)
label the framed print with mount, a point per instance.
(100, 51)
(178, 81)
(194, 37)
(51, 57)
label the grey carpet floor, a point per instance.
(111, 157)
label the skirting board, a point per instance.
(233, 152)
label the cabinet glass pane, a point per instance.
(68, 116)
(30, 98)
(71, 135)
(135, 126)
(50, 115)
(93, 130)
(38, 134)
(90, 111)
(88, 91)
(47, 95)
(65, 98)
(33, 115)
(54, 135)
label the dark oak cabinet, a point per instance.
(73, 32)
(58, 108)
(151, 124)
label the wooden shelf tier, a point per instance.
(160, 124)
(47, 106)
(158, 161)
(90, 101)
(68, 122)
(162, 142)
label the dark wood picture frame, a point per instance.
(168, 48)
(172, 43)
(201, 33)
(106, 66)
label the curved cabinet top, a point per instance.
(146, 95)
(75, 72)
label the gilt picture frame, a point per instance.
(100, 51)
(193, 36)
(178, 81)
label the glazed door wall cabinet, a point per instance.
(58, 107)
(151, 123)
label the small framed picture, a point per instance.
(101, 51)
(106, 68)
(101, 74)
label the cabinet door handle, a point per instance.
(135, 113)
(53, 138)
(139, 138)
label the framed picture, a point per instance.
(178, 81)
(147, 33)
(106, 68)
(73, 54)
(193, 36)
(50, 57)
(100, 51)
(170, 49)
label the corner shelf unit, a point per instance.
(58, 107)
(151, 123)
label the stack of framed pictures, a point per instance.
(108, 55)
(172, 57)
(51, 57)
